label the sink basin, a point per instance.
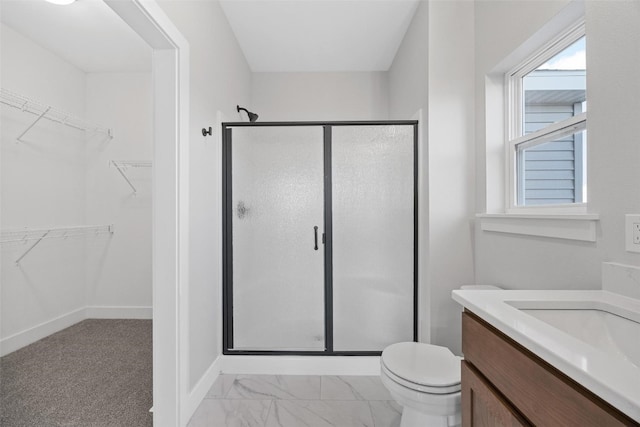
(610, 329)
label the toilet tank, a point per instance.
(478, 287)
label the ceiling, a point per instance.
(275, 35)
(319, 35)
(87, 33)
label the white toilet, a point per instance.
(425, 380)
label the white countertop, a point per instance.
(614, 379)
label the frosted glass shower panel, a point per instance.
(278, 275)
(373, 236)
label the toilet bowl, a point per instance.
(425, 380)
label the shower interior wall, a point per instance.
(60, 176)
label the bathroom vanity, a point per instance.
(505, 384)
(550, 358)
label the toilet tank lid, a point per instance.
(423, 364)
(478, 287)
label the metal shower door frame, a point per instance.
(227, 236)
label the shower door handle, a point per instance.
(315, 237)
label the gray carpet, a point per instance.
(96, 373)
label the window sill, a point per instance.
(561, 226)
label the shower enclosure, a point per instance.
(319, 235)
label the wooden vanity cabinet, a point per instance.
(482, 405)
(504, 384)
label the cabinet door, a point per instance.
(482, 405)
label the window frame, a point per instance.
(514, 120)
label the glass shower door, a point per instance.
(277, 210)
(373, 236)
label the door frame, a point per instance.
(170, 210)
(227, 238)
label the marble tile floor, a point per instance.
(297, 401)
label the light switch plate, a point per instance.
(632, 232)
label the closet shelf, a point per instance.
(43, 111)
(39, 234)
(123, 165)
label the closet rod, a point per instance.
(43, 111)
(39, 234)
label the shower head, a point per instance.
(252, 116)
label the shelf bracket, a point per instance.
(124, 165)
(32, 246)
(124, 175)
(33, 124)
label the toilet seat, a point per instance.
(420, 387)
(422, 367)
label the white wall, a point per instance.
(613, 63)
(120, 274)
(408, 83)
(408, 94)
(220, 79)
(451, 118)
(42, 185)
(319, 96)
(433, 71)
(613, 66)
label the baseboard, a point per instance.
(31, 335)
(106, 312)
(43, 330)
(301, 365)
(199, 391)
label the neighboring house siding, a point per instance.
(549, 169)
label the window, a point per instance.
(547, 121)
